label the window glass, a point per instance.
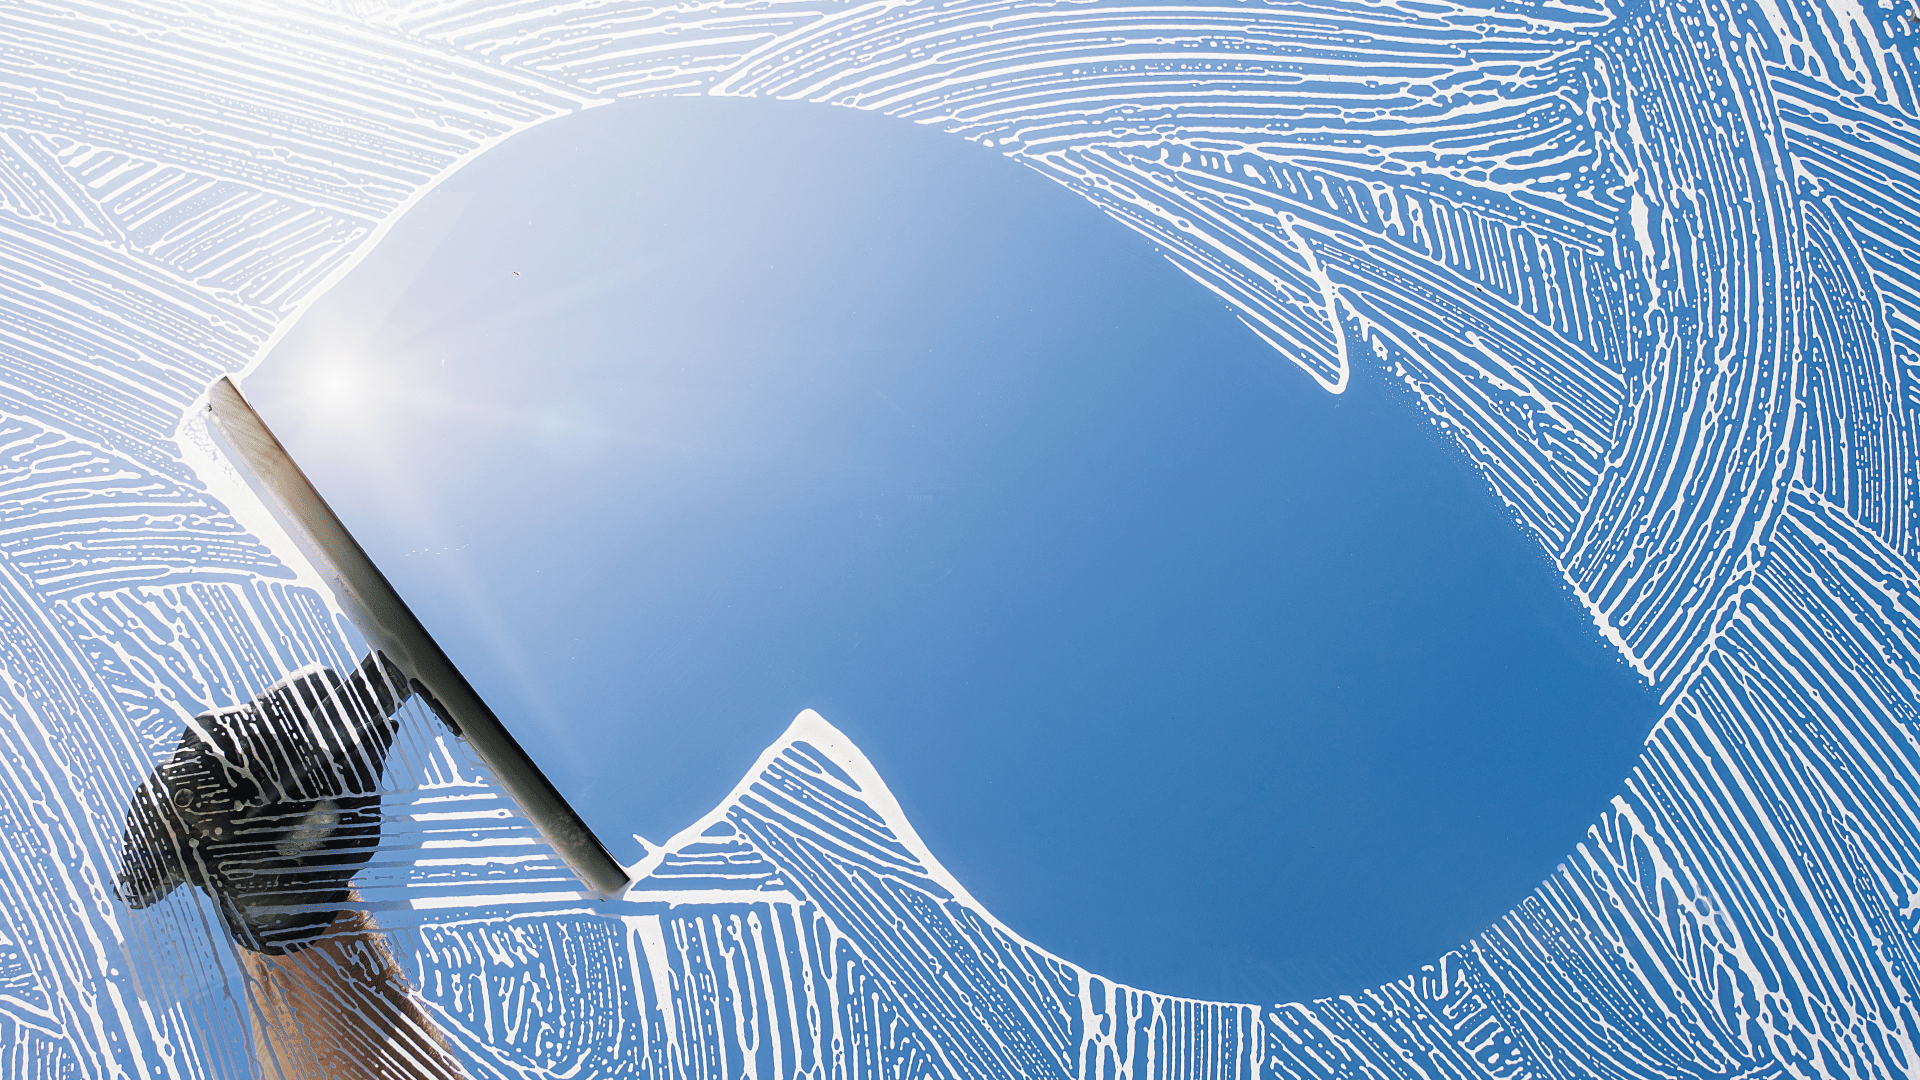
(1082, 540)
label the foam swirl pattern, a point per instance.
(1653, 265)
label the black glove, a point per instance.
(271, 807)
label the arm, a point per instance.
(341, 1009)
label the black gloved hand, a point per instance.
(271, 807)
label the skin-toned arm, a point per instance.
(341, 1009)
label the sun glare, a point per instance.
(333, 385)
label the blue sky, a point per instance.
(672, 419)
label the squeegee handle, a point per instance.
(370, 601)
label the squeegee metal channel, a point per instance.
(383, 618)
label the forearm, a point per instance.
(342, 1010)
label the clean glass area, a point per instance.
(1194, 674)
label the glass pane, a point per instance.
(1302, 539)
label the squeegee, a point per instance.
(268, 805)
